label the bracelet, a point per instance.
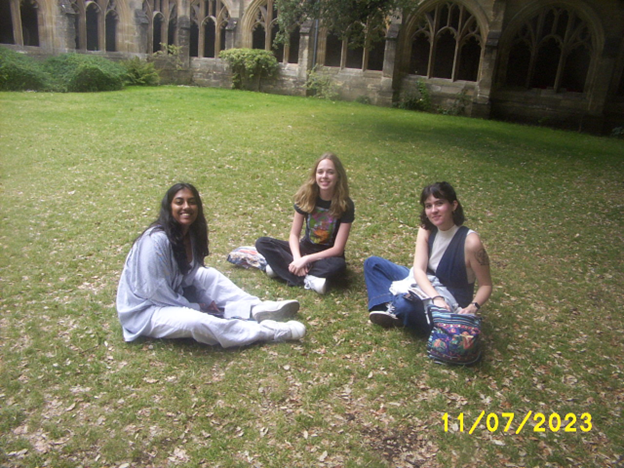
(476, 304)
(435, 297)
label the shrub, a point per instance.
(169, 56)
(618, 132)
(320, 86)
(78, 72)
(459, 106)
(90, 78)
(250, 66)
(18, 72)
(420, 100)
(140, 72)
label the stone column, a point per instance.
(481, 106)
(599, 85)
(67, 21)
(387, 94)
(393, 65)
(184, 39)
(16, 17)
(306, 49)
(142, 27)
(390, 52)
(230, 33)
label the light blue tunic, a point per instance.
(151, 281)
(150, 278)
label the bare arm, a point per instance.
(293, 242)
(479, 262)
(302, 265)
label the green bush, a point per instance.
(320, 86)
(78, 72)
(18, 72)
(459, 106)
(66, 72)
(419, 100)
(90, 78)
(250, 66)
(169, 56)
(141, 73)
(618, 132)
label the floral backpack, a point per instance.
(247, 257)
(454, 338)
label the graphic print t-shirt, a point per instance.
(321, 227)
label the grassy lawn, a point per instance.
(82, 176)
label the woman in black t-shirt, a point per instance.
(323, 203)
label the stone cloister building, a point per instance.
(556, 62)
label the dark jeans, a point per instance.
(278, 255)
(379, 274)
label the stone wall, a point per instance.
(598, 107)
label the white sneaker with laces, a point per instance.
(285, 331)
(269, 271)
(275, 310)
(385, 318)
(315, 283)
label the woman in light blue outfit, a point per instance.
(166, 291)
(448, 260)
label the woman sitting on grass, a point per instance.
(449, 258)
(323, 203)
(165, 290)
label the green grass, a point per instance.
(82, 175)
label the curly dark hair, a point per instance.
(444, 191)
(168, 224)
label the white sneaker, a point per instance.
(316, 284)
(275, 310)
(270, 273)
(385, 318)
(288, 331)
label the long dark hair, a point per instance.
(198, 230)
(444, 191)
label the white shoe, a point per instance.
(316, 284)
(269, 271)
(275, 310)
(288, 331)
(385, 318)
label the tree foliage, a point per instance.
(339, 16)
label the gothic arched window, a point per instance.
(6, 23)
(94, 24)
(209, 19)
(263, 28)
(25, 13)
(30, 22)
(344, 53)
(446, 42)
(111, 30)
(162, 18)
(552, 49)
(93, 20)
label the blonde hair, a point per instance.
(306, 196)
